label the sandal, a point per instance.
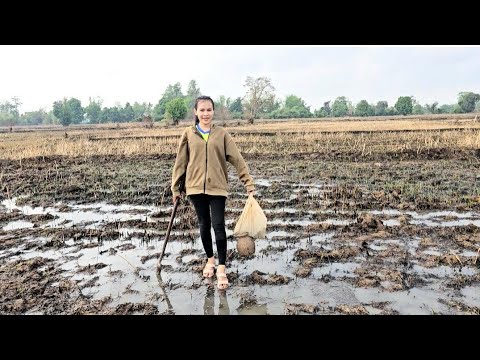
(222, 281)
(208, 270)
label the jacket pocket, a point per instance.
(195, 176)
(219, 178)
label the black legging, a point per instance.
(203, 204)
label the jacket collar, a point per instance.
(194, 128)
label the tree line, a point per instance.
(259, 101)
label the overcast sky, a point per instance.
(42, 74)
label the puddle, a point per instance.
(433, 223)
(415, 301)
(292, 222)
(391, 222)
(433, 218)
(263, 182)
(336, 270)
(338, 222)
(124, 269)
(20, 224)
(445, 271)
(377, 247)
(471, 295)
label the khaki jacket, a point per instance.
(205, 163)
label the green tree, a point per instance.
(326, 108)
(418, 109)
(35, 117)
(446, 109)
(260, 94)
(128, 113)
(381, 108)
(76, 110)
(171, 92)
(432, 108)
(9, 111)
(193, 91)
(62, 112)
(112, 114)
(457, 109)
(340, 106)
(222, 108)
(404, 105)
(467, 101)
(292, 101)
(176, 110)
(293, 107)
(319, 113)
(106, 115)
(324, 111)
(270, 107)
(297, 103)
(363, 108)
(141, 110)
(93, 110)
(16, 103)
(236, 108)
(391, 111)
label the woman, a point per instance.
(202, 156)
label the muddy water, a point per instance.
(314, 260)
(390, 235)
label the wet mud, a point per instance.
(391, 234)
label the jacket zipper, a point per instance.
(206, 166)
(206, 158)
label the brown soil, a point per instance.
(383, 255)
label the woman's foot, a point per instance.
(209, 269)
(222, 280)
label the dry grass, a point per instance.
(360, 126)
(363, 137)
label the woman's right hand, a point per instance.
(175, 198)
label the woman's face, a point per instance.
(204, 112)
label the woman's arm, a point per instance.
(180, 166)
(235, 158)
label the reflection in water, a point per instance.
(169, 310)
(332, 282)
(209, 304)
(256, 309)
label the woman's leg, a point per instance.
(217, 204)
(201, 203)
